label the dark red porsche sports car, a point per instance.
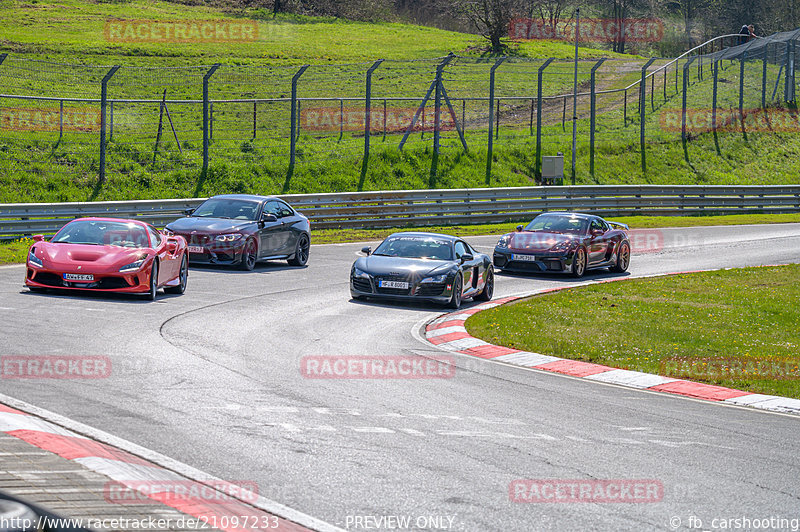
(110, 255)
(565, 242)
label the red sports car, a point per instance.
(109, 255)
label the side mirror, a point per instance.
(597, 232)
(366, 250)
(172, 245)
(466, 257)
(188, 212)
(269, 218)
(519, 228)
(38, 238)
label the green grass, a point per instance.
(73, 30)
(744, 316)
(12, 252)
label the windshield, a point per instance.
(558, 223)
(416, 247)
(103, 233)
(234, 209)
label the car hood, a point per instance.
(396, 265)
(209, 225)
(89, 258)
(537, 240)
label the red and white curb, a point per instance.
(448, 332)
(144, 470)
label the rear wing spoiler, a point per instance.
(618, 225)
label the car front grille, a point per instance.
(362, 285)
(50, 279)
(430, 289)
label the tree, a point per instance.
(491, 18)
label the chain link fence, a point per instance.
(92, 124)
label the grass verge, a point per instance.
(738, 328)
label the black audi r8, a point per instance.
(565, 242)
(423, 266)
(242, 229)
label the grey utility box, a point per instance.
(552, 169)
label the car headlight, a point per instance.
(133, 266)
(232, 237)
(565, 245)
(359, 273)
(33, 259)
(503, 243)
(435, 279)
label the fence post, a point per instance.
(2, 58)
(741, 92)
(292, 127)
(60, 119)
(764, 78)
(683, 106)
(491, 119)
(642, 108)
(592, 115)
(367, 121)
(538, 162)
(787, 75)
(206, 136)
(110, 122)
(714, 105)
(255, 116)
(103, 101)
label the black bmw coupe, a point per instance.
(243, 229)
(423, 266)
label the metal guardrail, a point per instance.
(398, 208)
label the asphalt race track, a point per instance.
(212, 379)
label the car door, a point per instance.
(167, 268)
(468, 268)
(270, 231)
(598, 243)
(286, 237)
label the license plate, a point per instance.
(393, 284)
(78, 277)
(528, 258)
(196, 249)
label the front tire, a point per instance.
(455, 298)
(623, 258)
(249, 255)
(184, 278)
(579, 263)
(151, 295)
(301, 252)
(488, 287)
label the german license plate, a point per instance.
(80, 277)
(195, 249)
(528, 258)
(393, 284)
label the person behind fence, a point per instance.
(746, 33)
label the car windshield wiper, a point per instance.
(81, 243)
(383, 255)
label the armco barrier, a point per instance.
(397, 208)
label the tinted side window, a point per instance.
(272, 207)
(460, 249)
(285, 210)
(155, 237)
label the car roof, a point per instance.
(252, 197)
(105, 219)
(572, 214)
(424, 234)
